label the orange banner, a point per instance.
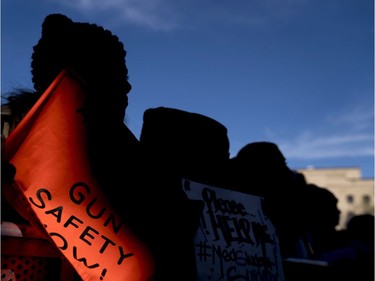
(48, 149)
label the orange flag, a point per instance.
(48, 149)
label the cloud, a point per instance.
(167, 15)
(347, 135)
(310, 146)
(153, 14)
(357, 119)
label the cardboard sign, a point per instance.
(48, 149)
(235, 240)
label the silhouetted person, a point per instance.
(349, 253)
(259, 168)
(360, 232)
(97, 57)
(361, 228)
(180, 144)
(321, 219)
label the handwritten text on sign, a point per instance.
(235, 240)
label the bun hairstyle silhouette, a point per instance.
(97, 58)
(90, 51)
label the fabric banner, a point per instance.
(235, 240)
(48, 149)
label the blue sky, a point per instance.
(299, 73)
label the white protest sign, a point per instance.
(235, 240)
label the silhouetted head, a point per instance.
(184, 140)
(321, 206)
(262, 161)
(93, 53)
(262, 153)
(361, 227)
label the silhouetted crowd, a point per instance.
(142, 178)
